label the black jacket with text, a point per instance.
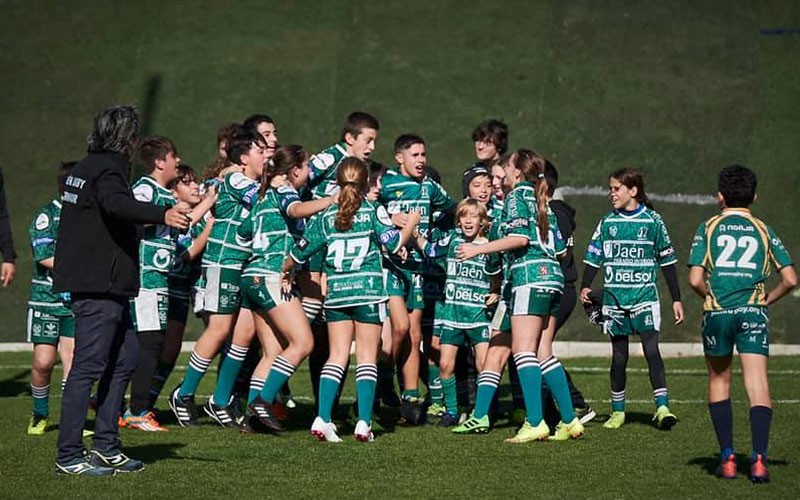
(97, 249)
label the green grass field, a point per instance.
(635, 461)
(678, 89)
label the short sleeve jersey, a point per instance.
(352, 257)
(236, 196)
(269, 228)
(322, 173)
(535, 264)
(738, 252)
(158, 245)
(630, 247)
(400, 193)
(467, 283)
(42, 233)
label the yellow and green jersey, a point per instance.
(42, 233)
(738, 252)
(268, 226)
(535, 264)
(400, 193)
(226, 248)
(157, 247)
(630, 246)
(353, 257)
(467, 282)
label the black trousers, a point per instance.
(106, 350)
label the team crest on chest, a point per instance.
(612, 231)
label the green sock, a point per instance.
(434, 383)
(366, 381)
(411, 394)
(41, 400)
(450, 398)
(278, 375)
(197, 368)
(661, 397)
(329, 381)
(618, 400)
(228, 372)
(256, 384)
(553, 373)
(487, 386)
(530, 377)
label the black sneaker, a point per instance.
(585, 414)
(263, 412)
(448, 420)
(184, 408)
(116, 460)
(412, 412)
(223, 415)
(83, 465)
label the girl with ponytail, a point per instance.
(350, 235)
(532, 243)
(276, 220)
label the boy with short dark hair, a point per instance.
(150, 309)
(409, 189)
(730, 260)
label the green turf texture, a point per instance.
(679, 89)
(634, 462)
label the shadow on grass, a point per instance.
(16, 385)
(709, 463)
(154, 452)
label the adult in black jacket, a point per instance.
(7, 268)
(97, 263)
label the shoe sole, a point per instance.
(362, 438)
(321, 437)
(668, 423)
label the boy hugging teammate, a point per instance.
(150, 310)
(409, 189)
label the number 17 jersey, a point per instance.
(737, 251)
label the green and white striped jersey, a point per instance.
(630, 246)
(226, 248)
(400, 193)
(42, 233)
(536, 263)
(352, 257)
(268, 228)
(322, 170)
(467, 282)
(157, 247)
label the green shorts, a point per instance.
(533, 301)
(406, 284)
(646, 318)
(464, 336)
(262, 293)
(222, 294)
(369, 313)
(44, 328)
(150, 311)
(747, 327)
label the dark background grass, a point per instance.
(679, 90)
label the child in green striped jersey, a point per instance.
(532, 241)
(469, 289)
(275, 221)
(351, 233)
(223, 259)
(631, 243)
(50, 325)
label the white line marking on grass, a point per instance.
(681, 198)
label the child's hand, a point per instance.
(277, 181)
(585, 295)
(466, 251)
(492, 298)
(403, 254)
(400, 219)
(677, 311)
(414, 217)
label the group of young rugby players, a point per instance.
(307, 254)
